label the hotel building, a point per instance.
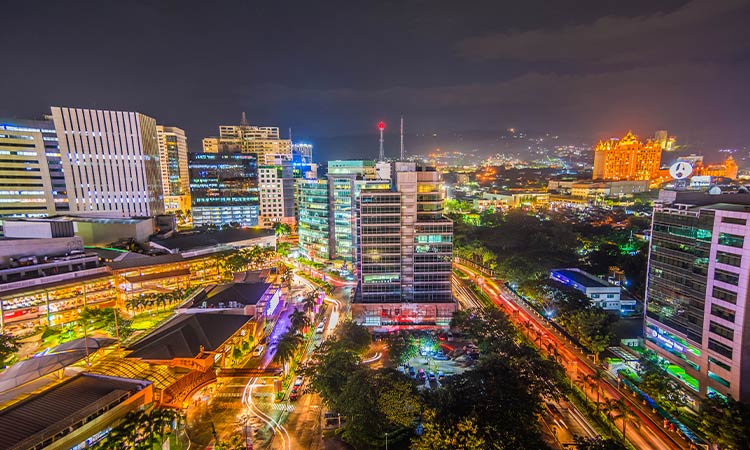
(697, 292)
(110, 160)
(173, 158)
(627, 159)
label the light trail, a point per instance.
(648, 435)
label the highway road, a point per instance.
(646, 432)
(563, 419)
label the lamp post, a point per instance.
(386, 440)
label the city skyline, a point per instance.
(655, 65)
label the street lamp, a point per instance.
(386, 440)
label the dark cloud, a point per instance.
(698, 30)
(334, 68)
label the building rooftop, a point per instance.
(580, 277)
(188, 335)
(244, 293)
(56, 409)
(101, 220)
(143, 260)
(189, 241)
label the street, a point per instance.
(647, 432)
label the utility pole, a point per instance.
(381, 127)
(402, 138)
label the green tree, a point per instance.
(619, 409)
(375, 402)
(287, 346)
(336, 364)
(8, 347)
(282, 229)
(464, 435)
(725, 422)
(311, 300)
(299, 320)
(598, 443)
(593, 327)
(354, 336)
(236, 442)
(402, 347)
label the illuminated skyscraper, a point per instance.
(173, 158)
(404, 252)
(33, 179)
(224, 189)
(110, 160)
(627, 159)
(697, 315)
(336, 220)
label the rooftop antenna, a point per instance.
(381, 127)
(402, 138)
(243, 122)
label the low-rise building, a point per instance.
(258, 299)
(196, 341)
(510, 199)
(95, 231)
(74, 414)
(601, 293)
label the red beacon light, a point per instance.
(381, 126)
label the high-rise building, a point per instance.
(173, 158)
(276, 193)
(313, 221)
(33, 180)
(110, 160)
(265, 142)
(404, 252)
(697, 313)
(224, 188)
(343, 184)
(627, 159)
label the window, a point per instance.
(721, 330)
(723, 294)
(731, 240)
(729, 259)
(722, 313)
(718, 379)
(734, 220)
(720, 348)
(723, 365)
(727, 277)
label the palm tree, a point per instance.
(618, 409)
(286, 348)
(594, 380)
(311, 300)
(299, 320)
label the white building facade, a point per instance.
(110, 160)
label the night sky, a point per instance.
(331, 69)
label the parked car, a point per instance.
(258, 350)
(412, 372)
(431, 376)
(299, 380)
(441, 376)
(441, 356)
(293, 396)
(319, 329)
